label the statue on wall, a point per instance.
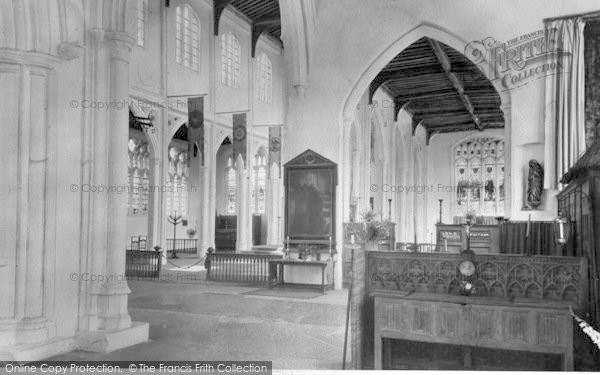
(535, 184)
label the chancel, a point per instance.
(440, 168)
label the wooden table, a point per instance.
(523, 324)
(276, 272)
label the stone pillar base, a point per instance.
(39, 351)
(112, 306)
(108, 341)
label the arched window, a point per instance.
(142, 15)
(177, 186)
(187, 37)
(265, 79)
(230, 60)
(260, 184)
(231, 186)
(138, 176)
(479, 177)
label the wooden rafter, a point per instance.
(219, 7)
(261, 26)
(458, 86)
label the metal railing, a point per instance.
(245, 268)
(183, 245)
(142, 264)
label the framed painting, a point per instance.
(310, 182)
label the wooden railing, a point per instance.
(421, 247)
(183, 245)
(142, 264)
(245, 268)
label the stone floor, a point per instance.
(217, 321)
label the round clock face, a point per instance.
(466, 268)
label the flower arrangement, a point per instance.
(191, 232)
(466, 288)
(374, 229)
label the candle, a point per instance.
(528, 225)
(561, 229)
(445, 245)
(352, 239)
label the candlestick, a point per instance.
(415, 227)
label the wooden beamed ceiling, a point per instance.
(440, 88)
(263, 14)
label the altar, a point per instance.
(484, 239)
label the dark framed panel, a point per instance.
(310, 183)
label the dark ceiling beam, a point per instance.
(447, 66)
(259, 27)
(401, 105)
(415, 124)
(219, 7)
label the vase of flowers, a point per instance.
(191, 232)
(374, 229)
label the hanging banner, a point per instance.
(239, 136)
(196, 128)
(274, 148)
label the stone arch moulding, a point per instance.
(372, 68)
(375, 66)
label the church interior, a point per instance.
(438, 161)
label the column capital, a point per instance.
(506, 109)
(120, 45)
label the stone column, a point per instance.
(208, 209)
(243, 206)
(273, 199)
(112, 297)
(26, 269)
(509, 205)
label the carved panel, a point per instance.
(549, 329)
(535, 277)
(422, 320)
(483, 324)
(515, 326)
(449, 322)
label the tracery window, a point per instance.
(260, 184)
(479, 177)
(177, 181)
(138, 173)
(231, 186)
(230, 60)
(187, 37)
(141, 14)
(265, 79)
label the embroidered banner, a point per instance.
(274, 148)
(239, 136)
(196, 128)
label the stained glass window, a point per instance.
(479, 177)
(230, 60)
(138, 173)
(177, 185)
(260, 184)
(141, 13)
(231, 187)
(265, 78)
(187, 37)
